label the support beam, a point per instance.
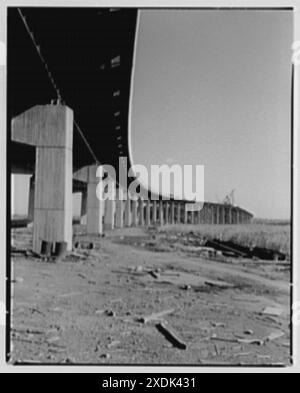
(50, 129)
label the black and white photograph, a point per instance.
(150, 193)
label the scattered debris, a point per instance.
(243, 354)
(156, 316)
(225, 339)
(219, 284)
(273, 311)
(99, 312)
(218, 324)
(154, 274)
(186, 287)
(52, 340)
(274, 336)
(113, 344)
(238, 340)
(170, 336)
(251, 342)
(105, 356)
(109, 313)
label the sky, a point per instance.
(213, 88)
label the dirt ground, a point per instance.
(89, 307)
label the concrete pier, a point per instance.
(141, 211)
(172, 215)
(161, 212)
(91, 206)
(120, 209)
(128, 216)
(50, 129)
(148, 213)
(110, 210)
(154, 212)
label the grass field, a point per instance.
(271, 236)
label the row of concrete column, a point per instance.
(50, 129)
(108, 214)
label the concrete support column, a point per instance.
(30, 215)
(141, 212)
(223, 215)
(128, 216)
(218, 215)
(167, 216)
(91, 205)
(83, 209)
(172, 218)
(134, 209)
(185, 215)
(161, 212)
(110, 210)
(178, 214)
(239, 217)
(120, 209)
(154, 212)
(148, 212)
(205, 214)
(50, 129)
(230, 216)
(192, 215)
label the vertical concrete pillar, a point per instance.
(154, 212)
(230, 216)
(141, 212)
(91, 205)
(128, 216)
(120, 209)
(83, 209)
(161, 212)
(30, 215)
(148, 212)
(134, 212)
(185, 215)
(172, 218)
(167, 216)
(222, 214)
(178, 214)
(50, 129)
(192, 217)
(110, 210)
(205, 213)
